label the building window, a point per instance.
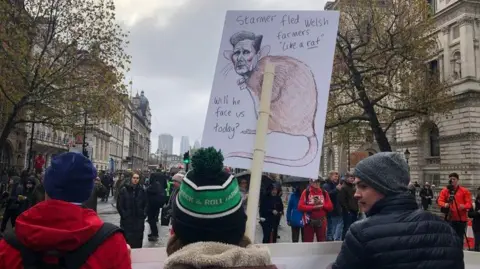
(330, 160)
(433, 179)
(433, 71)
(433, 6)
(457, 65)
(455, 32)
(434, 141)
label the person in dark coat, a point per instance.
(131, 206)
(474, 214)
(28, 197)
(13, 197)
(426, 194)
(39, 191)
(107, 182)
(334, 218)
(156, 198)
(119, 184)
(396, 233)
(271, 210)
(348, 203)
(98, 191)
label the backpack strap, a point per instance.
(78, 257)
(307, 193)
(30, 258)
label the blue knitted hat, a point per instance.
(70, 178)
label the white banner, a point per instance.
(301, 44)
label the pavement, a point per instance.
(108, 213)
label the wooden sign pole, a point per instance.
(259, 150)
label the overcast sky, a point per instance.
(174, 45)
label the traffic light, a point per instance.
(186, 157)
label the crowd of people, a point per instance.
(206, 210)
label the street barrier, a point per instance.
(470, 240)
(284, 255)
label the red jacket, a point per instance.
(462, 197)
(63, 226)
(306, 203)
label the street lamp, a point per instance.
(407, 155)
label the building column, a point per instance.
(446, 54)
(101, 150)
(466, 46)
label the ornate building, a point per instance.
(140, 135)
(127, 131)
(46, 141)
(441, 144)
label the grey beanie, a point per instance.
(386, 172)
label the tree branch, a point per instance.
(398, 118)
(380, 98)
(347, 121)
(6, 95)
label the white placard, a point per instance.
(301, 44)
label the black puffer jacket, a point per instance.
(398, 235)
(156, 194)
(131, 206)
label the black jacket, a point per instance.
(331, 188)
(424, 193)
(398, 235)
(474, 214)
(268, 204)
(156, 195)
(132, 202)
(346, 199)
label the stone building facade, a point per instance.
(45, 141)
(116, 147)
(140, 135)
(440, 144)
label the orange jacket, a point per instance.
(462, 197)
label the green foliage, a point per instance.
(60, 59)
(207, 162)
(380, 73)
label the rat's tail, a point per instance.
(309, 156)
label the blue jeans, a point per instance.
(334, 228)
(348, 219)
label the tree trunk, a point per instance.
(8, 129)
(380, 135)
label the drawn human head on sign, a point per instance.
(247, 51)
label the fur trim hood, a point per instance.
(219, 255)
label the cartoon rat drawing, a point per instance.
(294, 94)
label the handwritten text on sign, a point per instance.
(225, 110)
(310, 42)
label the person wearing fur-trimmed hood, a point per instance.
(209, 220)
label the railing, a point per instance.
(432, 160)
(58, 140)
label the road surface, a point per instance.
(108, 213)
